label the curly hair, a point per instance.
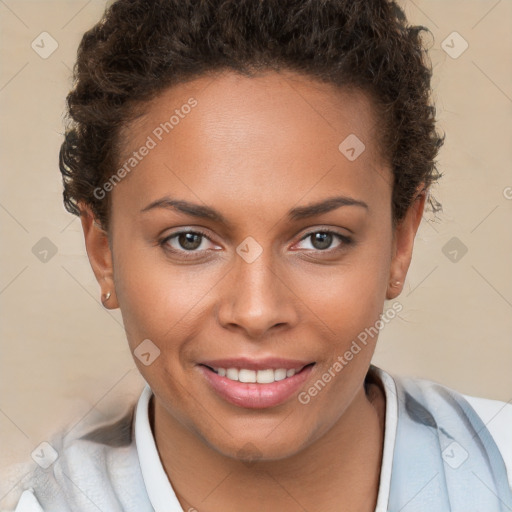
(141, 47)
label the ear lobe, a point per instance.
(403, 243)
(100, 255)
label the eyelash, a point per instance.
(346, 241)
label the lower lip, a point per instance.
(252, 395)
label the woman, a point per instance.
(250, 177)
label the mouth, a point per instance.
(256, 388)
(262, 376)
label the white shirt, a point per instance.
(496, 415)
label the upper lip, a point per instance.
(273, 363)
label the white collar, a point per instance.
(389, 438)
(160, 491)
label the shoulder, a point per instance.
(494, 416)
(94, 465)
(497, 417)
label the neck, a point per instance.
(343, 466)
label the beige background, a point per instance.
(64, 356)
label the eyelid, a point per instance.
(323, 229)
(345, 239)
(194, 230)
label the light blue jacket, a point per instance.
(444, 459)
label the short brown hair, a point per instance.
(141, 47)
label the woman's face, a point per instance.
(246, 158)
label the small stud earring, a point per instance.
(106, 297)
(396, 283)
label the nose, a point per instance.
(258, 297)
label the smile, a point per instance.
(255, 389)
(260, 376)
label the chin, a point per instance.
(253, 449)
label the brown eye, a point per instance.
(189, 240)
(186, 244)
(323, 240)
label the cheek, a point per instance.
(159, 300)
(348, 297)
(347, 310)
(164, 301)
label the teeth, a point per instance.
(280, 374)
(246, 375)
(259, 376)
(266, 376)
(232, 373)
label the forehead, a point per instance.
(226, 135)
(228, 102)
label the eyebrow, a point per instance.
(295, 214)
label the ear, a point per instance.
(100, 256)
(403, 242)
